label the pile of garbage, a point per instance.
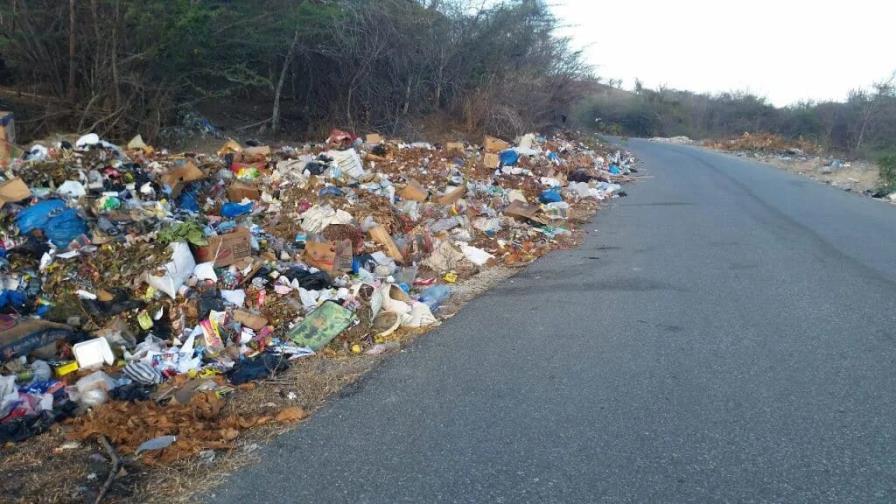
(764, 143)
(677, 140)
(142, 288)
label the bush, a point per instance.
(357, 64)
(887, 170)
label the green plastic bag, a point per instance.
(321, 326)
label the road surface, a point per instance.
(725, 334)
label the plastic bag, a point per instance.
(550, 196)
(475, 255)
(65, 227)
(231, 210)
(509, 157)
(37, 215)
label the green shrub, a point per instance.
(887, 167)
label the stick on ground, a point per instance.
(116, 466)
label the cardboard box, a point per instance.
(329, 256)
(226, 249)
(454, 147)
(495, 145)
(257, 154)
(239, 190)
(414, 191)
(13, 190)
(7, 136)
(182, 175)
(381, 236)
(523, 211)
(231, 146)
(491, 160)
(373, 139)
(452, 195)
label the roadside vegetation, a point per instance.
(864, 126)
(118, 67)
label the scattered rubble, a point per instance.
(764, 144)
(679, 140)
(806, 159)
(144, 289)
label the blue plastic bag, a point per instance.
(14, 298)
(231, 210)
(331, 191)
(37, 215)
(615, 170)
(65, 227)
(551, 196)
(189, 201)
(509, 157)
(59, 223)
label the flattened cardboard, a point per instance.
(491, 160)
(329, 256)
(13, 190)
(454, 147)
(495, 145)
(250, 320)
(226, 249)
(381, 236)
(414, 191)
(452, 195)
(523, 211)
(239, 190)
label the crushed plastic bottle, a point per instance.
(435, 296)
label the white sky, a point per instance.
(785, 50)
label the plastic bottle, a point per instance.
(435, 296)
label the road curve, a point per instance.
(725, 334)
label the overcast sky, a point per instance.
(785, 50)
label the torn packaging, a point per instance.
(329, 256)
(250, 320)
(226, 249)
(241, 190)
(20, 337)
(523, 211)
(173, 274)
(177, 178)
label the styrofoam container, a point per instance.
(92, 354)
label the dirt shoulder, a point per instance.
(855, 176)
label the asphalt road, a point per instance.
(725, 334)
